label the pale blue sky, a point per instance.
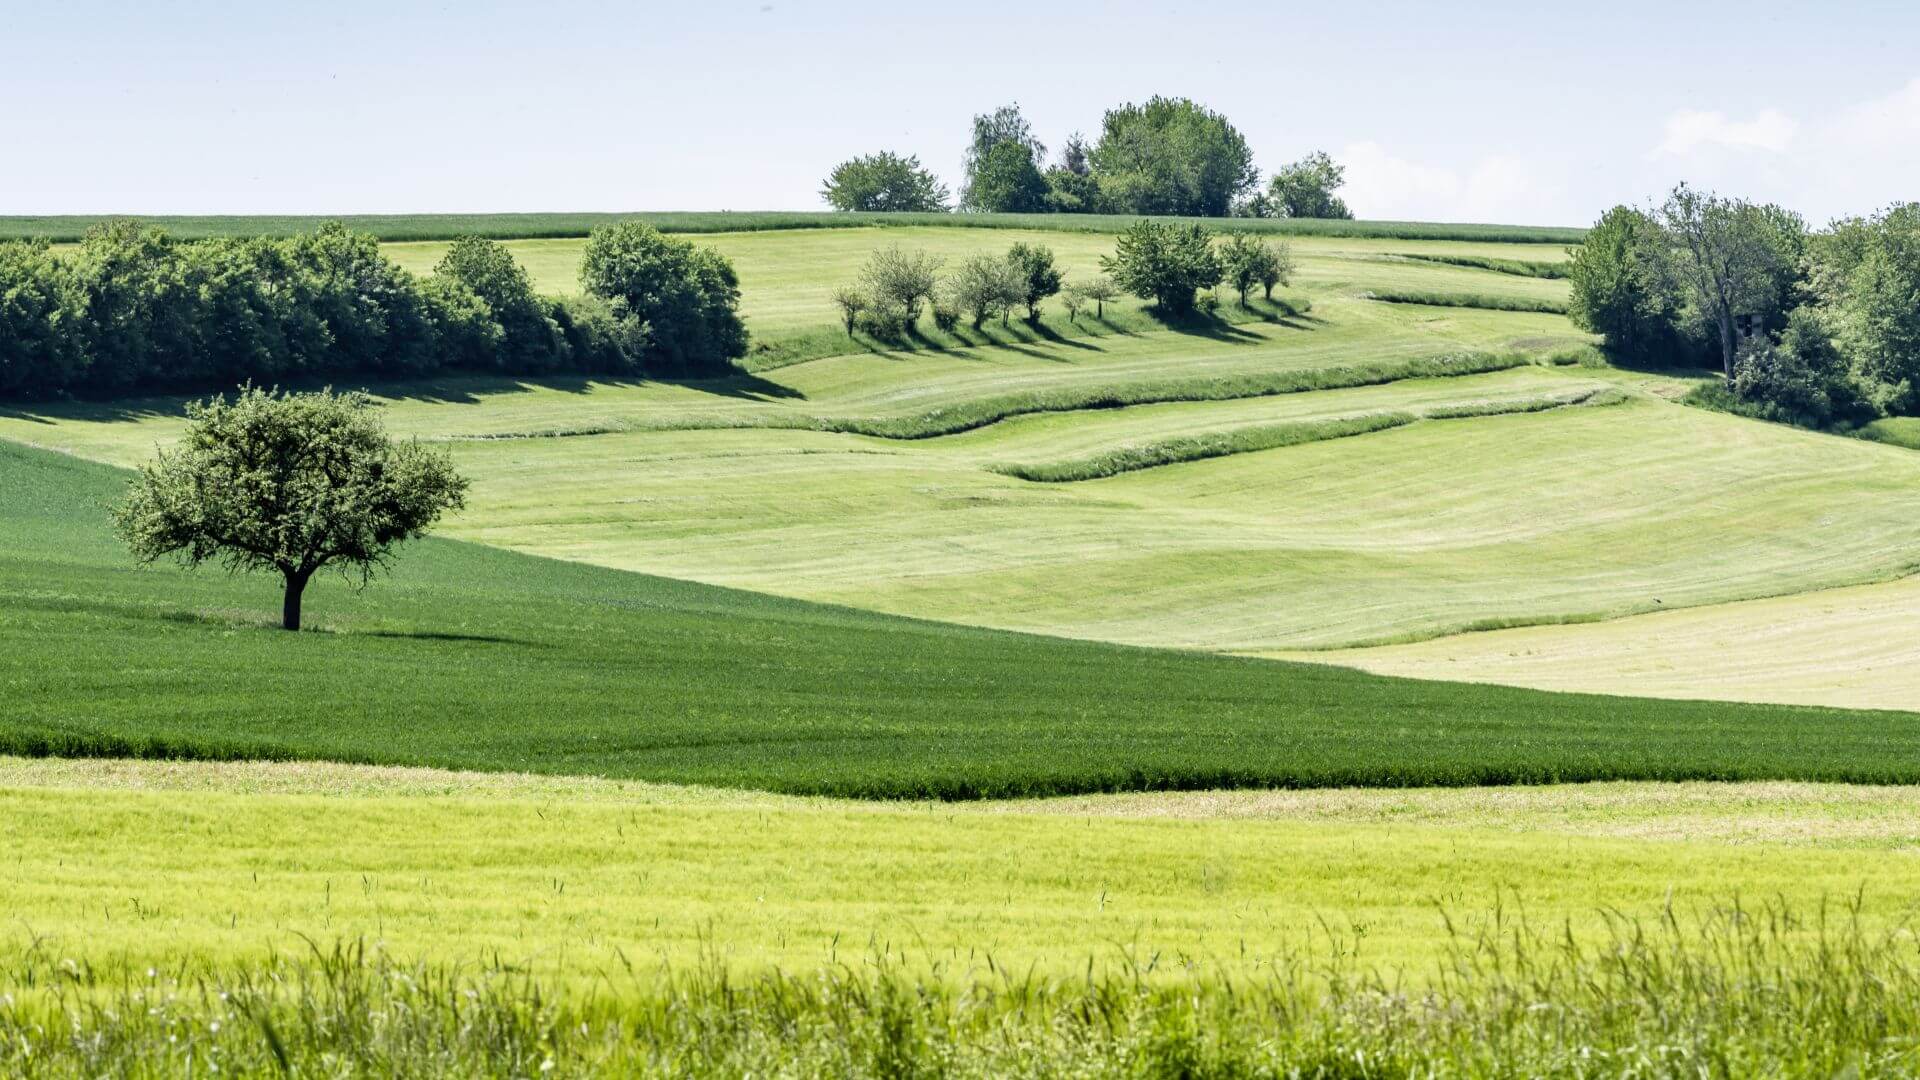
(1521, 112)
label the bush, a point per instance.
(1801, 380)
(687, 297)
(900, 280)
(1033, 265)
(1165, 263)
(985, 286)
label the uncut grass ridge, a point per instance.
(537, 226)
(1483, 301)
(1515, 267)
(1254, 439)
(986, 411)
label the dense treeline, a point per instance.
(133, 309)
(1166, 157)
(1815, 327)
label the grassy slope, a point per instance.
(787, 278)
(171, 865)
(403, 227)
(472, 657)
(1849, 646)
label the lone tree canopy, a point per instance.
(1165, 263)
(287, 482)
(883, 182)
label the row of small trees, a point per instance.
(133, 309)
(1164, 263)
(1817, 327)
(1169, 156)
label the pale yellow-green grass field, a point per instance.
(200, 866)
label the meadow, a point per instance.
(882, 710)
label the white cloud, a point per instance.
(1496, 187)
(1691, 129)
(1882, 122)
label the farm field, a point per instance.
(475, 658)
(927, 665)
(205, 866)
(1847, 646)
(894, 481)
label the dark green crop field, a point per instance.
(405, 227)
(478, 658)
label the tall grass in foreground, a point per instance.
(1729, 993)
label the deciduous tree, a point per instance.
(292, 483)
(1164, 262)
(886, 183)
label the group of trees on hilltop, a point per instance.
(1167, 264)
(1812, 327)
(1168, 156)
(132, 309)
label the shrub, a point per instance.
(1164, 262)
(901, 280)
(946, 311)
(985, 285)
(850, 302)
(688, 297)
(1033, 264)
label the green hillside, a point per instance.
(472, 657)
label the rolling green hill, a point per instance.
(473, 657)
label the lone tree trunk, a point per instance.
(290, 607)
(1727, 345)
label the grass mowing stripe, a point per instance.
(1248, 440)
(1484, 301)
(411, 227)
(471, 657)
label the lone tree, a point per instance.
(1164, 263)
(287, 482)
